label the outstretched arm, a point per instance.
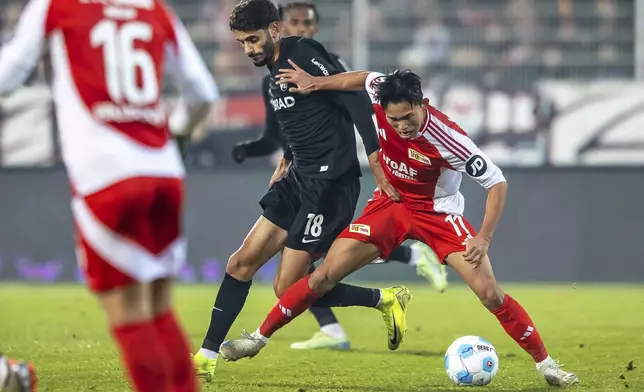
(355, 103)
(346, 81)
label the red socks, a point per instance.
(297, 299)
(177, 349)
(144, 357)
(517, 323)
(157, 355)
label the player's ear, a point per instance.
(426, 101)
(274, 31)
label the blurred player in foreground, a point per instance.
(125, 170)
(425, 154)
(315, 187)
(17, 376)
(301, 19)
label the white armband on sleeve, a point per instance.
(463, 155)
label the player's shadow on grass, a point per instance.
(417, 353)
(373, 388)
(308, 388)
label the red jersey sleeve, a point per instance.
(460, 152)
(20, 55)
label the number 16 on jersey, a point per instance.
(124, 62)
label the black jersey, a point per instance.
(318, 127)
(272, 138)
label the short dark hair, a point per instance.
(399, 86)
(251, 15)
(299, 4)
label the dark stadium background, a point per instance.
(551, 89)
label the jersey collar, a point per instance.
(428, 117)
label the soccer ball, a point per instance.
(471, 360)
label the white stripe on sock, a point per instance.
(415, 255)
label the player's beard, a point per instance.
(267, 54)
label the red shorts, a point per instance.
(130, 232)
(387, 224)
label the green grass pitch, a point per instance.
(594, 330)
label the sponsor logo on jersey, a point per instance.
(282, 103)
(415, 155)
(360, 229)
(111, 112)
(476, 166)
(375, 81)
(400, 169)
(321, 66)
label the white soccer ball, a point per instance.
(471, 360)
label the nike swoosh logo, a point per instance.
(216, 308)
(394, 340)
(305, 241)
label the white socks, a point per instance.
(259, 336)
(415, 255)
(208, 353)
(545, 361)
(334, 330)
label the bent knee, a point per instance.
(242, 265)
(279, 287)
(323, 280)
(491, 296)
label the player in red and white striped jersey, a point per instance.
(425, 154)
(109, 58)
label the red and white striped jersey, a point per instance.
(109, 59)
(427, 170)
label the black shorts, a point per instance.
(313, 211)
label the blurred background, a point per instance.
(552, 90)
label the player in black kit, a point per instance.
(301, 19)
(315, 188)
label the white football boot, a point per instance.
(246, 347)
(551, 370)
